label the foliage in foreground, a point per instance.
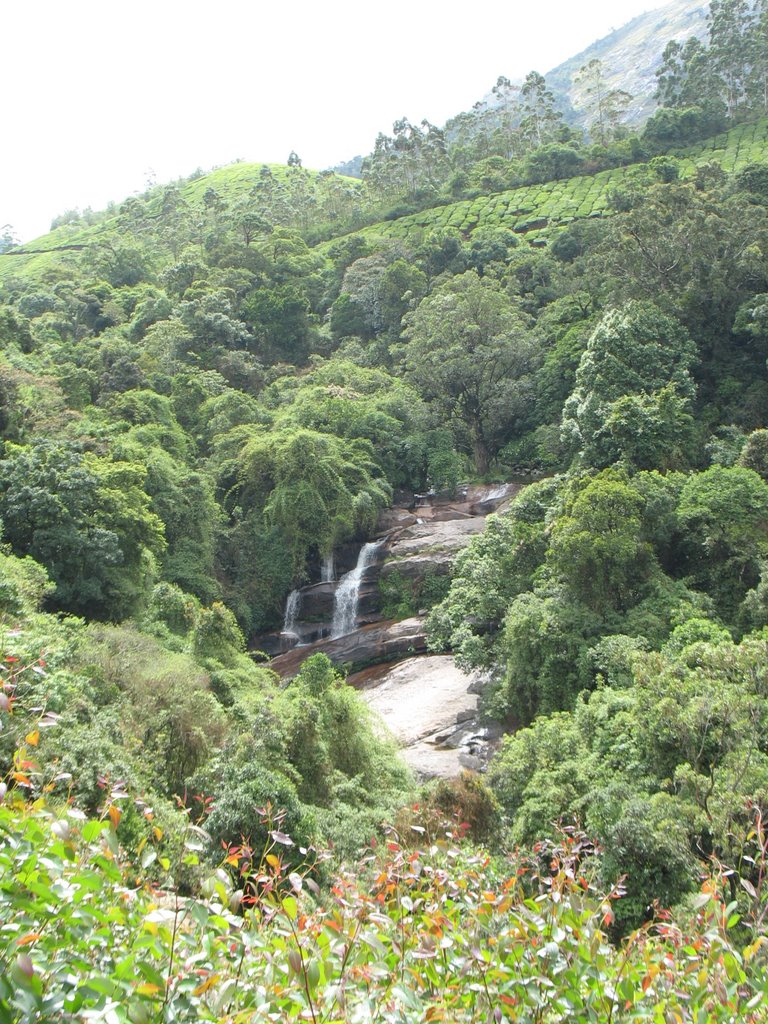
(436, 933)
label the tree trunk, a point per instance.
(480, 452)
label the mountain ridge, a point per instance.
(533, 210)
(630, 56)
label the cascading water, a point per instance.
(500, 491)
(292, 608)
(328, 569)
(348, 592)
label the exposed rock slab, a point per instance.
(418, 566)
(430, 706)
(429, 546)
(380, 641)
(436, 535)
(477, 500)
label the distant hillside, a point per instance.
(533, 210)
(630, 56)
(536, 211)
(269, 186)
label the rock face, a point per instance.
(426, 701)
(430, 706)
(442, 528)
(430, 546)
(421, 538)
(380, 641)
(317, 602)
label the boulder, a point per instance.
(395, 519)
(381, 641)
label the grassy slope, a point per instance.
(534, 210)
(235, 180)
(35, 258)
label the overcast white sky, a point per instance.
(98, 94)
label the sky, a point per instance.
(103, 96)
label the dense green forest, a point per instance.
(207, 390)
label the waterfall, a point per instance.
(499, 491)
(348, 592)
(328, 569)
(292, 608)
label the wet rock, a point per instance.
(461, 737)
(381, 641)
(317, 602)
(440, 739)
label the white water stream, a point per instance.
(500, 491)
(292, 608)
(348, 592)
(328, 569)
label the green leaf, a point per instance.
(290, 907)
(149, 856)
(92, 829)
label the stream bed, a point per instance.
(430, 707)
(425, 701)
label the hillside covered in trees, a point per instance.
(209, 389)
